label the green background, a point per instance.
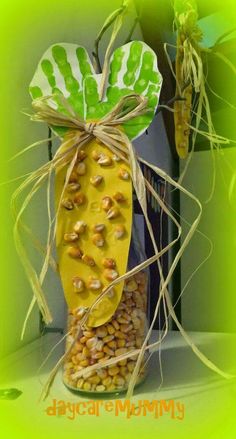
(27, 28)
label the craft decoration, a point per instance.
(91, 198)
(96, 117)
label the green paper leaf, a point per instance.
(66, 69)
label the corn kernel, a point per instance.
(110, 329)
(113, 370)
(84, 362)
(107, 381)
(108, 351)
(119, 380)
(120, 343)
(108, 338)
(100, 388)
(120, 351)
(112, 344)
(120, 335)
(94, 379)
(80, 383)
(87, 386)
(131, 366)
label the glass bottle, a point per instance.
(123, 332)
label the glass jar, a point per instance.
(124, 331)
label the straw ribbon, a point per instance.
(89, 127)
(129, 107)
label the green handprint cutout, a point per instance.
(137, 73)
(66, 69)
(62, 70)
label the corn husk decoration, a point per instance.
(187, 76)
(191, 83)
(96, 117)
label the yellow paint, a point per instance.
(91, 213)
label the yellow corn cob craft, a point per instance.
(188, 37)
(182, 108)
(93, 232)
(95, 213)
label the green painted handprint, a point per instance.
(66, 69)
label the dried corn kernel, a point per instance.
(106, 203)
(108, 338)
(80, 383)
(115, 324)
(116, 158)
(108, 351)
(94, 379)
(91, 342)
(126, 328)
(123, 371)
(94, 284)
(104, 160)
(96, 180)
(131, 366)
(99, 345)
(121, 320)
(73, 177)
(98, 355)
(119, 380)
(120, 351)
(73, 187)
(110, 274)
(113, 213)
(89, 333)
(120, 335)
(100, 388)
(83, 339)
(112, 344)
(107, 381)
(111, 388)
(99, 228)
(87, 386)
(122, 363)
(98, 240)
(81, 155)
(78, 284)
(71, 237)
(131, 286)
(85, 352)
(96, 155)
(110, 329)
(67, 203)
(109, 263)
(81, 169)
(119, 197)
(102, 373)
(101, 331)
(123, 174)
(79, 199)
(84, 363)
(119, 231)
(80, 227)
(88, 260)
(113, 370)
(75, 252)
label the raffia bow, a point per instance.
(105, 129)
(109, 131)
